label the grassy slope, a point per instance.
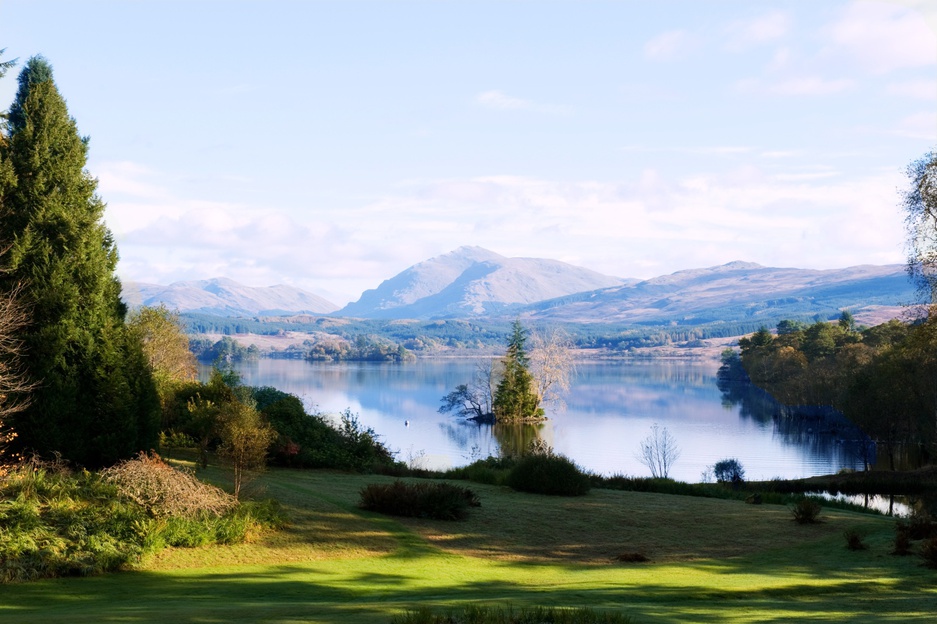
(713, 561)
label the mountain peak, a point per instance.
(469, 281)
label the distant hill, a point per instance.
(733, 292)
(224, 297)
(471, 282)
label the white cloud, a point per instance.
(644, 226)
(709, 150)
(501, 101)
(498, 100)
(668, 46)
(797, 86)
(921, 125)
(884, 37)
(758, 30)
(916, 89)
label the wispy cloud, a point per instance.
(711, 150)
(916, 89)
(796, 86)
(921, 125)
(766, 28)
(669, 46)
(884, 37)
(498, 100)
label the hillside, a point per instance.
(225, 297)
(737, 291)
(472, 281)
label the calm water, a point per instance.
(609, 410)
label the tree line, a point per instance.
(883, 378)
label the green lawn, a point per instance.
(711, 561)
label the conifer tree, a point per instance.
(95, 401)
(516, 397)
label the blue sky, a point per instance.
(331, 144)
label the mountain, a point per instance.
(734, 292)
(472, 281)
(224, 297)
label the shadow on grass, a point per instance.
(328, 593)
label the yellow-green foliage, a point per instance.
(54, 522)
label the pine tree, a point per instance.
(95, 401)
(516, 397)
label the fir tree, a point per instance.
(95, 402)
(516, 397)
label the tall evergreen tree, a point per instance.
(95, 402)
(516, 397)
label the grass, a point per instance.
(710, 561)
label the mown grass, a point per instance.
(711, 561)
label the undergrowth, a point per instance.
(55, 522)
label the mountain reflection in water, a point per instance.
(609, 410)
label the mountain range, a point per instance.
(472, 282)
(224, 297)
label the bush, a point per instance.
(164, 491)
(854, 540)
(929, 552)
(490, 471)
(902, 539)
(440, 501)
(58, 523)
(806, 511)
(548, 474)
(493, 615)
(729, 471)
(921, 526)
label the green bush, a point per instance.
(490, 471)
(57, 523)
(929, 552)
(493, 615)
(440, 501)
(729, 471)
(806, 511)
(921, 526)
(902, 539)
(548, 474)
(854, 540)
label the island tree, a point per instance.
(516, 398)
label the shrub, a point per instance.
(493, 615)
(921, 525)
(548, 474)
(806, 511)
(854, 540)
(56, 523)
(929, 552)
(729, 471)
(902, 539)
(164, 491)
(490, 471)
(440, 501)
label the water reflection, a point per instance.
(610, 408)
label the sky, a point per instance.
(329, 145)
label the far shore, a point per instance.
(703, 350)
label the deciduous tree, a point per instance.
(658, 451)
